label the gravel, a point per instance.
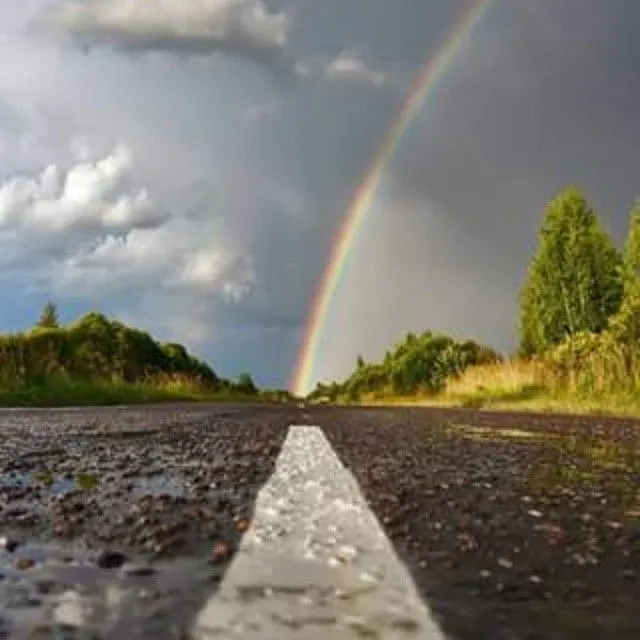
(121, 522)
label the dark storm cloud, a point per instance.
(543, 95)
(546, 98)
(537, 108)
(540, 99)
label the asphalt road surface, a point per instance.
(224, 521)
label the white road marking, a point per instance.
(315, 563)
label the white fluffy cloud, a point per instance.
(349, 66)
(86, 198)
(174, 257)
(85, 232)
(246, 28)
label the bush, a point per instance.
(419, 363)
(98, 349)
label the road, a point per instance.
(223, 521)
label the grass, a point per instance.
(60, 392)
(597, 389)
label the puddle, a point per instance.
(159, 484)
(55, 484)
(474, 431)
(67, 588)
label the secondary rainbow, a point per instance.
(426, 81)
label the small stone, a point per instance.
(138, 571)
(535, 579)
(466, 543)
(629, 574)
(220, 552)
(485, 573)
(534, 513)
(346, 553)
(554, 533)
(24, 563)
(505, 563)
(111, 559)
(62, 529)
(407, 625)
(367, 577)
(360, 626)
(46, 586)
(243, 524)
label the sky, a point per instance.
(184, 165)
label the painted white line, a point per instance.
(315, 563)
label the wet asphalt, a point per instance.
(126, 519)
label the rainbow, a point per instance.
(433, 70)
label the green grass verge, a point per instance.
(90, 393)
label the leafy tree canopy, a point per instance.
(574, 282)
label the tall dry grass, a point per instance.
(603, 379)
(508, 376)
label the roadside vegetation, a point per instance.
(96, 361)
(579, 333)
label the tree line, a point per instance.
(96, 348)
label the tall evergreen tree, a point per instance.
(49, 317)
(574, 281)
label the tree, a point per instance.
(625, 325)
(49, 317)
(360, 362)
(574, 282)
(245, 384)
(632, 248)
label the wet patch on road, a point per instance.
(122, 523)
(507, 536)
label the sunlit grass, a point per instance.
(601, 385)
